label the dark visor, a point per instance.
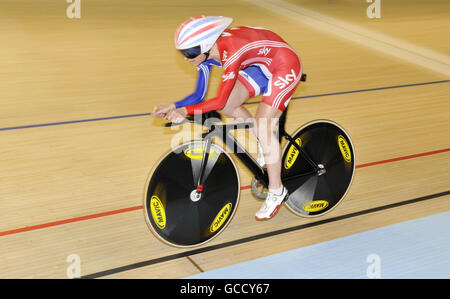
(191, 52)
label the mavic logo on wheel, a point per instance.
(158, 212)
(220, 218)
(292, 154)
(283, 82)
(315, 206)
(345, 149)
(196, 153)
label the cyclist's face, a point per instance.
(197, 60)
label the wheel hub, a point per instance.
(321, 170)
(195, 195)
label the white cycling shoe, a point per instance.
(271, 205)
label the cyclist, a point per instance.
(245, 53)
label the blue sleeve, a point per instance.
(199, 94)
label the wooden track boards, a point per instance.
(118, 59)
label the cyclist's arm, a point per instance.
(199, 93)
(228, 80)
(200, 89)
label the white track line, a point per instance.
(422, 57)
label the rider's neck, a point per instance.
(214, 53)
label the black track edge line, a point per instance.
(260, 236)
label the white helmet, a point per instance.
(199, 34)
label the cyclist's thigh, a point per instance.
(283, 83)
(253, 78)
(251, 83)
(237, 97)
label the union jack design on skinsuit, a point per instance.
(246, 46)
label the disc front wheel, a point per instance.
(175, 211)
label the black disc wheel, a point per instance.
(316, 191)
(175, 211)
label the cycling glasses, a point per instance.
(191, 52)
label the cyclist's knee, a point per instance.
(228, 110)
(264, 128)
(237, 97)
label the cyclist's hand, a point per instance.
(161, 111)
(176, 115)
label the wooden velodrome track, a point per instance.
(77, 187)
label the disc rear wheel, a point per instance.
(314, 192)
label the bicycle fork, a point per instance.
(203, 165)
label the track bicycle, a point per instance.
(193, 191)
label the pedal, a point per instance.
(321, 170)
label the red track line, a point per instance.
(76, 219)
(119, 211)
(403, 158)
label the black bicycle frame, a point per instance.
(223, 132)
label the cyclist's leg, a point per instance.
(233, 107)
(280, 89)
(266, 120)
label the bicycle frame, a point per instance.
(223, 132)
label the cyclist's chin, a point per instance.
(197, 60)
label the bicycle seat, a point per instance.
(303, 78)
